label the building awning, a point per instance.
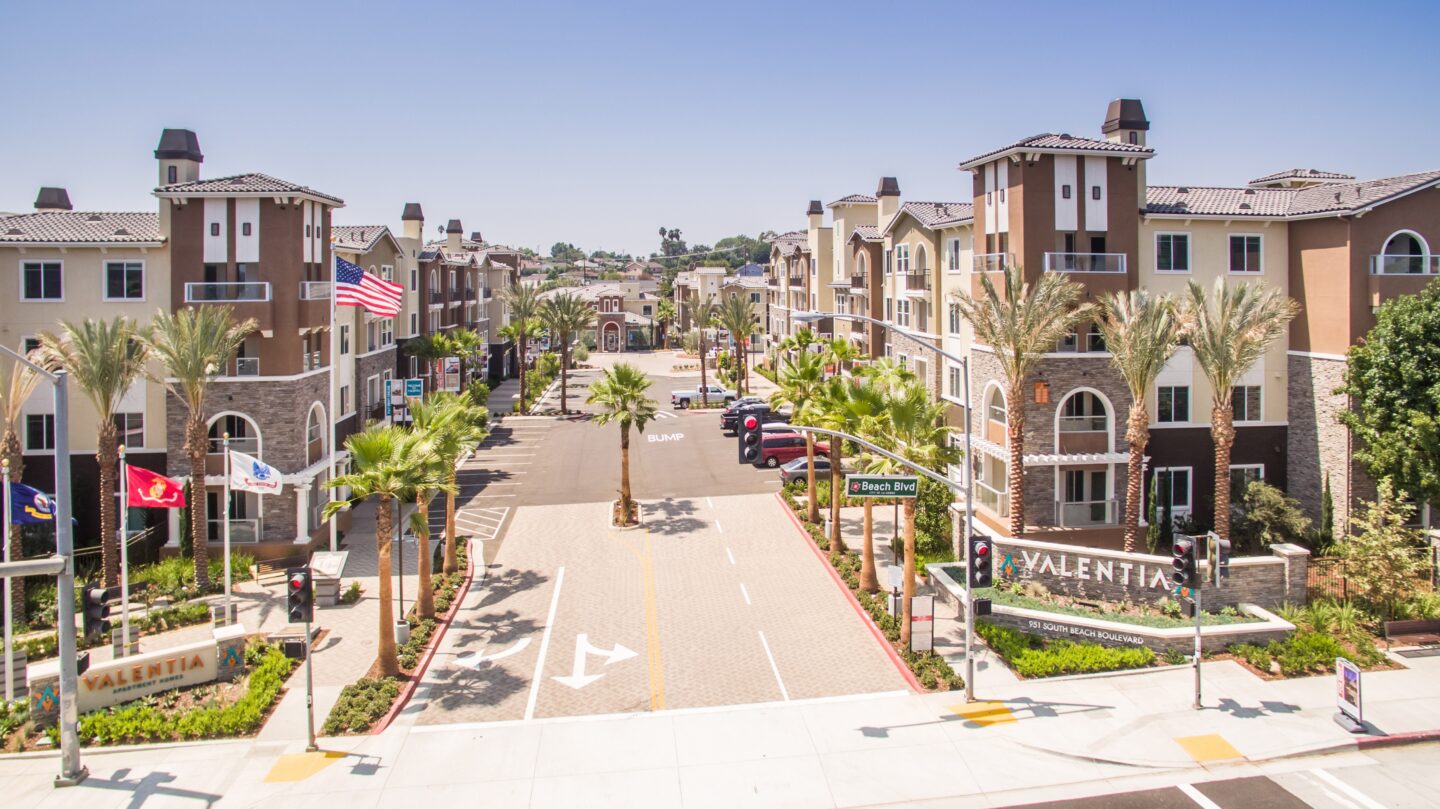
(995, 450)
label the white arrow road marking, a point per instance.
(474, 659)
(577, 678)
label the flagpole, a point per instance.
(9, 605)
(124, 555)
(334, 417)
(225, 508)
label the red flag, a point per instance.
(153, 490)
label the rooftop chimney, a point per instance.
(889, 193)
(816, 215)
(413, 221)
(1125, 121)
(453, 233)
(179, 156)
(475, 237)
(53, 199)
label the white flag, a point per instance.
(250, 475)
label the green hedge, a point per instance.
(155, 621)
(1034, 656)
(1161, 619)
(1308, 652)
(361, 704)
(154, 719)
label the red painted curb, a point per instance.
(419, 673)
(850, 597)
(1416, 737)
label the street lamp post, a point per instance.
(810, 317)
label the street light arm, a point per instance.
(800, 428)
(45, 372)
(919, 338)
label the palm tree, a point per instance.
(459, 429)
(1229, 331)
(467, 346)
(665, 315)
(799, 381)
(621, 396)
(196, 345)
(388, 464)
(736, 315)
(105, 360)
(1021, 324)
(565, 315)
(846, 405)
(442, 422)
(801, 341)
(702, 314)
(914, 428)
(1141, 333)
(15, 389)
(888, 376)
(523, 301)
(840, 352)
(430, 349)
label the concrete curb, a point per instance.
(409, 690)
(854, 603)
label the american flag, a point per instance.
(355, 287)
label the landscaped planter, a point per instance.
(639, 516)
(1120, 633)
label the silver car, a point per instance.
(799, 469)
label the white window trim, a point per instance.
(1262, 406)
(1189, 251)
(21, 278)
(1178, 511)
(105, 280)
(1189, 405)
(1245, 273)
(1259, 466)
(26, 436)
(952, 255)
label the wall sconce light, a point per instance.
(1042, 392)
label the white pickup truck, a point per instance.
(682, 399)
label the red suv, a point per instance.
(779, 448)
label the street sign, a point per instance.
(882, 485)
(389, 399)
(414, 388)
(922, 623)
(896, 576)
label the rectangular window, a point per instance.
(954, 318)
(889, 258)
(1241, 477)
(414, 323)
(172, 175)
(414, 280)
(902, 258)
(124, 281)
(1172, 252)
(1065, 191)
(1069, 343)
(434, 321)
(921, 368)
(245, 229)
(372, 391)
(1174, 404)
(387, 331)
(956, 387)
(344, 339)
(814, 266)
(215, 229)
(130, 429)
(1245, 253)
(1094, 192)
(344, 399)
(953, 260)
(39, 431)
(1094, 340)
(1174, 485)
(42, 281)
(1245, 403)
(29, 344)
(889, 308)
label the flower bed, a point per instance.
(929, 669)
(1325, 631)
(1035, 656)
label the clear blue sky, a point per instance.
(597, 122)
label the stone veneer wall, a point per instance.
(916, 350)
(1318, 443)
(366, 367)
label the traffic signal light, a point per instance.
(1222, 559)
(748, 441)
(1186, 572)
(94, 611)
(981, 558)
(299, 596)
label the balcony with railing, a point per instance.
(1393, 276)
(227, 292)
(437, 297)
(859, 284)
(1084, 434)
(797, 279)
(314, 290)
(1087, 513)
(989, 497)
(1404, 265)
(859, 327)
(487, 293)
(1085, 262)
(993, 262)
(247, 366)
(242, 530)
(917, 283)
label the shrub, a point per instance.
(361, 704)
(352, 593)
(1306, 653)
(1264, 516)
(1174, 657)
(579, 353)
(1256, 656)
(1033, 656)
(479, 393)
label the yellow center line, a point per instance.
(652, 618)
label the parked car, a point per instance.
(730, 416)
(780, 448)
(799, 469)
(717, 393)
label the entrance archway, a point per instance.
(610, 341)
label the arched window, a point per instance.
(244, 434)
(315, 434)
(1404, 253)
(921, 255)
(1084, 412)
(995, 405)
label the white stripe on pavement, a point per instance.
(745, 593)
(718, 528)
(729, 554)
(1355, 794)
(544, 645)
(774, 668)
(1197, 796)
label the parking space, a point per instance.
(716, 600)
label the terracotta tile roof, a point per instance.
(253, 183)
(853, 199)
(360, 238)
(1051, 142)
(1301, 174)
(931, 214)
(1281, 202)
(80, 227)
(792, 242)
(867, 233)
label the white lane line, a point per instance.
(544, 645)
(783, 693)
(478, 495)
(745, 593)
(729, 554)
(1355, 794)
(709, 502)
(1197, 796)
(718, 528)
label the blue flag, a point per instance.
(30, 506)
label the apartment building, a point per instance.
(367, 339)
(1081, 206)
(624, 313)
